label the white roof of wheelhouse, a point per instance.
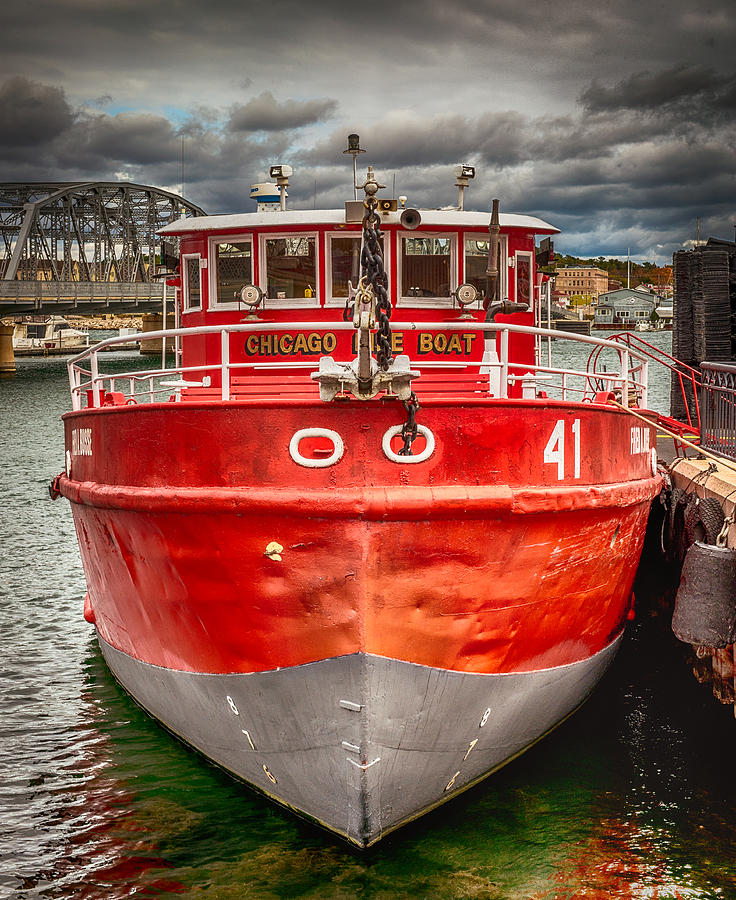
(450, 218)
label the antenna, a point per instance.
(354, 149)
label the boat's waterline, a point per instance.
(360, 743)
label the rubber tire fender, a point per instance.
(703, 519)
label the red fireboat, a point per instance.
(365, 541)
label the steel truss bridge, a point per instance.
(85, 247)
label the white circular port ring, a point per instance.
(305, 461)
(417, 458)
(654, 460)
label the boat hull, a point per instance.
(335, 636)
(361, 743)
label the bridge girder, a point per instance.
(66, 233)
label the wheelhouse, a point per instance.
(302, 264)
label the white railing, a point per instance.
(628, 379)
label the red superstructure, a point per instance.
(357, 631)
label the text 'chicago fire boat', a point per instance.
(367, 543)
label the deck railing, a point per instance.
(685, 381)
(627, 380)
(718, 408)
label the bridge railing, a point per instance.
(20, 297)
(718, 408)
(83, 289)
(628, 384)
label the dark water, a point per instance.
(631, 798)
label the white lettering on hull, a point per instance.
(81, 442)
(640, 438)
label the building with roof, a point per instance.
(581, 281)
(623, 307)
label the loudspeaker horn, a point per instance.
(411, 219)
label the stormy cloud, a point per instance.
(265, 113)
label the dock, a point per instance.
(575, 326)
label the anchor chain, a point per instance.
(374, 276)
(370, 309)
(409, 431)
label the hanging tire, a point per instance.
(703, 519)
(674, 525)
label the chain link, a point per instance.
(409, 431)
(371, 262)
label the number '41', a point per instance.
(554, 452)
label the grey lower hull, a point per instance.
(360, 743)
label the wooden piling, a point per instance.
(723, 674)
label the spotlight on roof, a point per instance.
(463, 174)
(281, 174)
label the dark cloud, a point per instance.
(651, 91)
(31, 112)
(134, 138)
(265, 113)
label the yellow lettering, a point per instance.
(397, 341)
(329, 342)
(425, 342)
(251, 344)
(286, 343)
(468, 338)
(300, 344)
(454, 345)
(313, 342)
(266, 345)
(440, 343)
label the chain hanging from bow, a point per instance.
(409, 431)
(373, 274)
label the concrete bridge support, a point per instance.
(7, 356)
(152, 322)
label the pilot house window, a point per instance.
(192, 290)
(345, 253)
(425, 266)
(345, 264)
(233, 267)
(291, 267)
(476, 264)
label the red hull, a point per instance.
(479, 560)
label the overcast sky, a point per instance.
(614, 121)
